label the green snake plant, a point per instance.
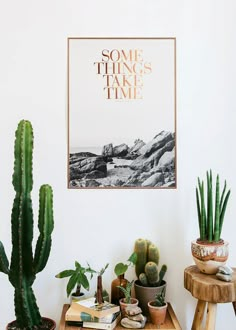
(211, 216)
(24, 265)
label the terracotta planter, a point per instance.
(157, 314)
(144, 294)
(209, 256)
(48, 324)
(123, 305)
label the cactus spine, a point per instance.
(147, 263)
(24, 266)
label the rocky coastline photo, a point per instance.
(142, 165)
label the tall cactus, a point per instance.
(146, 266)
(24, 265)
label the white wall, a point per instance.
(101, 226)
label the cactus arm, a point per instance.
(151, 271)
(153, 253)
(140, 248)
(143, 279)
(162, 274)
(45, 225)
(217, 211)
(4, 264)
(22, 215)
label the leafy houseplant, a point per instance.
(120, 269)
(209, 250)
(157, 308)
(24, 266)
(77, 278)
(150, 280)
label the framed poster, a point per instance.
(121, 113)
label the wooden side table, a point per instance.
(209, 291)
(171, 322)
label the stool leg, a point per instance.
(211, 316)
(198, 316)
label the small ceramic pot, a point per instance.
(144, 294)
(124, 305)
(157, 314)
(209, 257)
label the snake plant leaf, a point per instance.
(4, 264)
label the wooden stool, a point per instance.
(209, 291)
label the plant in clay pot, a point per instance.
(127, 300)
(24, 265)
(157, 308)
(120, 269)
(77, 279)
(210, 251)
(150, 279)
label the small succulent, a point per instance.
(159, 300)
(127, 291)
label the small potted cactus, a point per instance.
(210, 251)
(150, 280)
(157, 308)
(24, 265)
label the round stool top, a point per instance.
(208, 287)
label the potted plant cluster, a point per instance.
(77, 279)
(210, 251)
(150, 279)
(157, 308)
(24, 265)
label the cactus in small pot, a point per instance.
(24, 265)
(210, 251)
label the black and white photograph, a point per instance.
(121, 113)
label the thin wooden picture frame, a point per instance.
(121, 113)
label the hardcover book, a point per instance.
(98, 325)
(95, 310)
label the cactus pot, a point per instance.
(208, 257)
(144, 294)
(48, 324)
(157, 314)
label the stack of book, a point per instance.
(86, 313)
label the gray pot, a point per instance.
(144, 294)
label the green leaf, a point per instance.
(133, 258)
(65, 273)
(71, 283)
(120, 269)
(83, 281)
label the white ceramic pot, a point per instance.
(209, 257)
